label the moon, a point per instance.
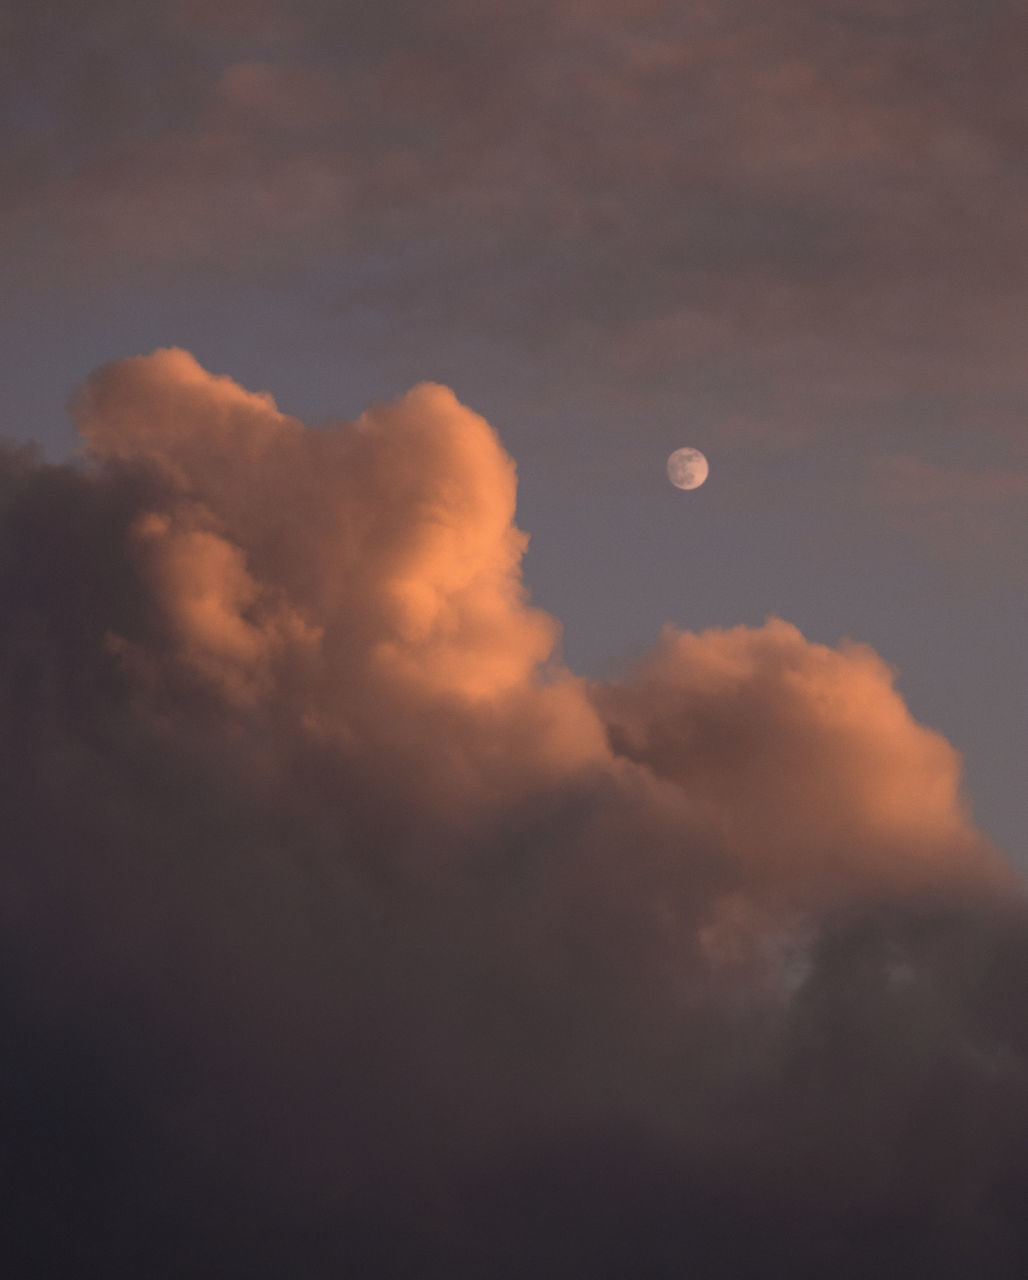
(687, 468)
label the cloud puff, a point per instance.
(804, 757)
(345, 928)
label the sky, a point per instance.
(437, 845)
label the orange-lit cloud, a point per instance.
(326, 882)
(364, 576)
(793, 750)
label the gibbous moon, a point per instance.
(687, 468)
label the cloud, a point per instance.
(775, 151)
(389, 543)
(345, 928)
(804, 219)
(794, 749)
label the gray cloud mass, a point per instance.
(347, 932)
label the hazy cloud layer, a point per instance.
(792, 213)
(345, 931)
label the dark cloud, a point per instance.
(345, 931)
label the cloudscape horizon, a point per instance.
(348, 931)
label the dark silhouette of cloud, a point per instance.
(346, 931)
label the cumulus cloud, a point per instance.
(346, 930)
(795, 749)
